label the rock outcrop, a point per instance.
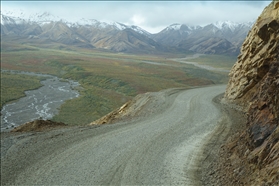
(254, 84)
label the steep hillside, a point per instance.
(60, 32)
(174, 34)
(254, 84)
(129, 41)
(209, 45)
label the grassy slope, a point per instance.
(107, 79)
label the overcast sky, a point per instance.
(151, 16)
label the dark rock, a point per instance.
(274, 25)
(263, 33)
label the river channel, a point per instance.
(41, 103)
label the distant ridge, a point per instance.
(217, 38)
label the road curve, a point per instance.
(158, 150)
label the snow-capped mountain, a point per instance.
(175, 26)
(226, 36)
(231, 25)
(226, 24)
(87, 33)
(8, 20)
(139, 30)
(44, 18)
(103, 25)
(47, 18)
(182, 27)
(20, 17)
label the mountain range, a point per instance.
(216, 38)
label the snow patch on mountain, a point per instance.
(19, 17)
(231, 25)
(44, 18)
(175, 26)
(119, 26)
(11, 20)
(182, 27)
(88, 22)
(104, 25)
(14, 14)
(47, 18)
(139, 30)
(226, 24)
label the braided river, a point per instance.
(41, 103)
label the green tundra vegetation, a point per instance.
(107, 79)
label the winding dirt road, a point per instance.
(162, 149)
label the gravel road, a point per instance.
(207, 67)
(162, 149)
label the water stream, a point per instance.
(42, 103)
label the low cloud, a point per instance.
(137, 19)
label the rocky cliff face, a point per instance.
(254, 84)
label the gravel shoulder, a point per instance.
(233, 121)
(162, 146)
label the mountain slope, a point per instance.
(209, 45)
(219, 38)
(173, 34)
(129, 41)
(60, 32)
(84, 33)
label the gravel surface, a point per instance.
(207, 67)
(162, 149)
